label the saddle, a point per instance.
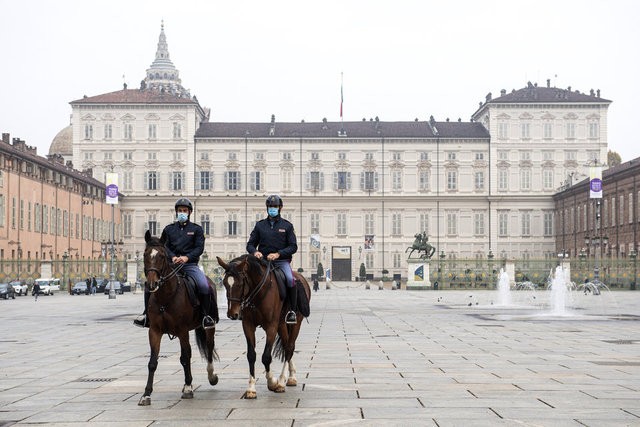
(303, 302)
(192, 292)
(192, 289)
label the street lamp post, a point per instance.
(112, 199)
(582, 256)
(490, 257)
(634, 255)
(205, 261)
(598, 242)
(137, 284)
(442, 257)
(65, 272)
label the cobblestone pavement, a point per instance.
(365, 357)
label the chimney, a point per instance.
(598, 93)
(592, 92)
(6, 138)
(548, 82)
(272, 128)
(503, 92)
(488, 97)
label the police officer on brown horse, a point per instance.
(184, 242)
(275, 239)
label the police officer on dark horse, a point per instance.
(275, 239)
(184, 242)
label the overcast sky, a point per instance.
(248, 59)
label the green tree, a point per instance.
(320, 271)
(363, 271)
(613, 159)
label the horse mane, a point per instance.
(251, 260)
(154, 241)
(258, 263)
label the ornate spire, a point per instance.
(163, 75)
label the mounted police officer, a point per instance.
(275, 239)
(184, 241)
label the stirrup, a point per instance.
(290, 319)
(141, 321)
(208, 323)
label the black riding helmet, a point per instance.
(274, 201)
(184, 202)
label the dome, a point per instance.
(63, 142)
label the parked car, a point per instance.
(80, 288)
(48, 286)
(7, 291)
(20, 287)
(117, 287)
(102, 284)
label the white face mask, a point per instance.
(183, 217)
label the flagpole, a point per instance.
(341, 101)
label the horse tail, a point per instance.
(201, 339)
(278, 349)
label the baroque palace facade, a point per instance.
(356, 192)
(49, 211)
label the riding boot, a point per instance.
(205, 305)
(292, 297)
(142, 320)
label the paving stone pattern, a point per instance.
(365, 357)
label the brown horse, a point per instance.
(252, 294)
(171, 312)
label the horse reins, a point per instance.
(246, 302)
(161, 278)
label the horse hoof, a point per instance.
(187, 391)
(213, 380)
(145, 401)
(250, 395)
(292, 382)
(279, 389)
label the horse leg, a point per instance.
(289, 350)
(272, 383)
(292, 381)
(250, 335)
(185, 361)
(154, 345)
(210, 334)
(288, 335)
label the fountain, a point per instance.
(559, 292)
(504, 289)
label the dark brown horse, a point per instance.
(171, 312)
(252, 294)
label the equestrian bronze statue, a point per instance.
(421, 244)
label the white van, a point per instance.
(48, 286)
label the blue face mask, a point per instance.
(273, 212)
(183, 217)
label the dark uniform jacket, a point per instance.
(183, 239)
(273, 235)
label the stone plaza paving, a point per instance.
(365, 357)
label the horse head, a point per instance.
(241, 280)
(234, 283)
(156, 262)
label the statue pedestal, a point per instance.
(418, 274)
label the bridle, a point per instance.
(156, 285)
(248, 295)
